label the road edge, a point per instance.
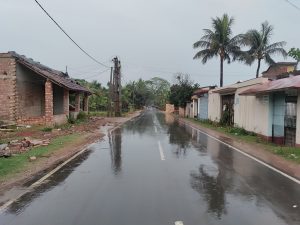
(285, 168)
(61, 162)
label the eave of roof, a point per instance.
(273, 86)
(228, 90)
(55, 76)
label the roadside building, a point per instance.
(281, 100)
(239, 111)
(279, 69)
(200, 97)
(32, 93)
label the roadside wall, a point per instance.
(8, 88)
(181, 112)
(170, 108)
(298, 121)
(214, 106)
(251, 112)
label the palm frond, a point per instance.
(278, 51)
(269, 60)
(280, 44)
(205, 54)
(202, 44)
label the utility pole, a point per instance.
(110, 94)
(117, 86)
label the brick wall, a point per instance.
(77, 102)
(48, 103)
(86, 103)
(66, 102)
(7, 88)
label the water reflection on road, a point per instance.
(124, 181)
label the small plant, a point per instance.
(82, 116)
(47, 129)
(238, 131)
(71, 120)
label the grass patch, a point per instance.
(290, 153)
(47, 129)
(14, 164)
(98, 113)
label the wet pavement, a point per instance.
(155, 171)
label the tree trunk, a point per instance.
(221, 71)
(258, 67)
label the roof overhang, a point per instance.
(226, 91)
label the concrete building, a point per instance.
(240, 109)
(202, 102)
(281, 108)
(31, 93)
(279, 69)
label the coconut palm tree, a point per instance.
(260, 46)
(219, 42)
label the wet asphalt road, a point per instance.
(155, 171)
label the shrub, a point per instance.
(47, 129)
(82, 116)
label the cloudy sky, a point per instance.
(151, 37)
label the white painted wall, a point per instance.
(251, 112)
(298, 121)
(214, 106)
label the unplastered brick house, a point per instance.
(31, 93)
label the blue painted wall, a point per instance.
(278, 113)
(203, 107)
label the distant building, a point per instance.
(31, 93)
(279, 69)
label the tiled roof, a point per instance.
(57, 77)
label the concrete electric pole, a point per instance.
(116, 84)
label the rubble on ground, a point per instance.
(19, 146)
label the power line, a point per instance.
(91, 57)
(94, 74)
(292, 4)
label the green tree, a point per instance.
(160, 89)
(219, 42)
(260, 46)
(295, 54)
(98, 100)
(181, 92)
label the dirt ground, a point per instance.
(89, 131)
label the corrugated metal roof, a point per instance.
(57, 77)
(201, 91)
(227, 90)
(272, 86)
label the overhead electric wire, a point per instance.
(292, 4)
(96, 74)
(85, 52)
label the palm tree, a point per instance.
(260, 47)
(219, 42)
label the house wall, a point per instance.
(30, 93)
(298, 122)
(278, 117)
(203, 107)
(194, 113)
(8, 88)
(214, 106)
(58, 100)
(251, 112)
